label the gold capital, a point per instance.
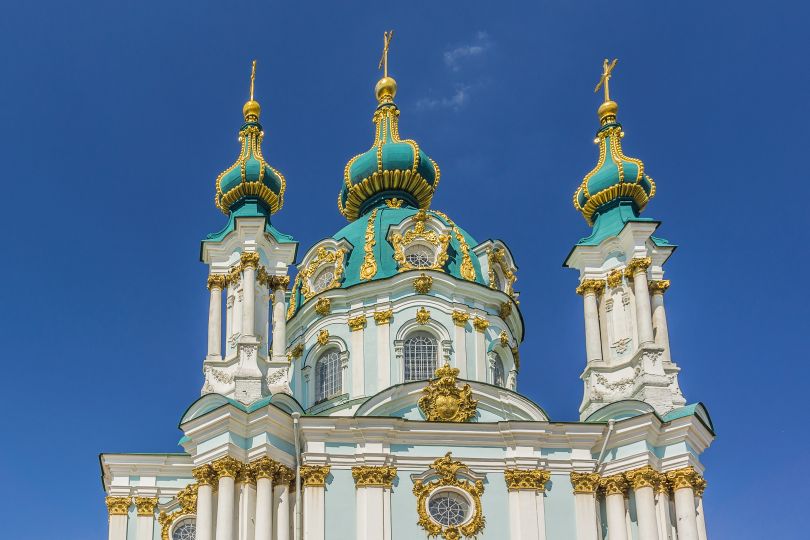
(460, 318)
(585, 482)
(205, 475)
(217, 281)
(383, 317)
(637, 266)
(264, 467)
(480, 324)
(590, 285)
(284, 475)
(118, 506)
(659, 285)
(614, 485)
(227, 467)
(519, 479)
(314, 475)
(644, 477)
(686, 477)
(250, 259)
(368, 476)
(146, 505)
(357, 323)
(278, 282)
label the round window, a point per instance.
(323, 279)
(448, 508)
(185, 530)
(419, 256)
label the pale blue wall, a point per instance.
(340, 512)
(559, 508)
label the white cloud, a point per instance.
(455, 57)
(455, 102)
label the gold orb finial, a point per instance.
(385, 89)
(607, 110)
(252, 109)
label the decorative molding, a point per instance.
(585, 482)
(590, 285)
(637, 265)
(314, 475)
(369, 267)
(505, 310)
(227, 467)
(460, 318)
(275, 283)
(246, 475)
(480, 323)
(383, 317)
(323, 257)
(368, 476)
(323, 336)
(205, 475)
(118, 506)
(283, 475)
(422, 315)
(519, 479)
(146, 505)
(249, 259)
(187, 497)
(614, 485)
(644, 477)
(658, 285)
(504, 337)
(497, 257)
(323, 306)
(420, 233)
(516, 356)
(394, 203)
(217, 281)
(684, 478)
(422, 284)
(614, 278)
(447, 470)
(466, 269)
(295, 352)
(444, 401)
(357, 323)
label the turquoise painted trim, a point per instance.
(250, 207)
(698, 410)
(211, 402)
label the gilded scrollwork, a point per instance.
(368, 476)
(420, 233)
(322, 258)
(118, 506)
(659, 286)
(480, 324)
(520, 479)
(614, 278)
(383, 317)
(637, 265)
(323, 306)
(369, 267)
(590, 285)
(422, 315)
(323, 336)
(314, 475)
(460, 318)
(466, 268)
(295, 352)
(444, 401)
(187, 498)
(422, 284)
(447, 472)
(357, 323)
(497, 257)
(585, 482)
(505, 310)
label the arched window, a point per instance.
(497, 370)
(186, 529)
(328, 377)
(323, 279)
(421, 350)
(419, 256)
(496, 281)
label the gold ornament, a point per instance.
(323, 336)
(264, 467)
(357, 323)
(658, 285)
(460, 318)
(217, 281)
(505, 310)
(614, 485)
(322, 258)
(419, 232)
(519, 479)
(227, 467)
(314, 475)
(367, 476)
(700, 486)
(516, 356)
(249, 259)
(118, 506)
(614, 278)
(187, 497)
(284, 475)
(637, 265)
(246, 475)
(504, 337)
(295, 352)
(383, 317)
(590, 285)
(146, 505)
(422, 284)
(422, 316)
(585, 482)
(683, 478)
(394, 203)
(293, 300)
(369, 267)
(480, 324)
(275, 283)
(323, 306)
(467, 269)
(205, 475)
(447, 470)
(444, 401)
(643, 477)
(497, 257)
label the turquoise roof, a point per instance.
(355, 234)
(245, 208)
(611, 220)
(391, 168)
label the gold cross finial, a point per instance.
(252, 79)
(604, 80)
(384, 59)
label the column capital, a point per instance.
(520, 479)
(314, 475)
(283, 475)
(249, 259)
(637, 265)
(590, 286)
(585, 482)
(264, 467)
(658, 286)
(614, 485)
(700, 486)
(383, 317)
(368, 476)
(278, 282)
(644, 477)
(683, 478)
(205, 475)
(217, 281)
(118, 506)
(246, 475)
(460, 318)
(227, 467)
(357, 323)
(480, 324)
(146, 505)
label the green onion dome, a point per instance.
(616, 177)
(250, 176)
(392, 167)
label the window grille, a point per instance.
(420, 351)
(329, 383)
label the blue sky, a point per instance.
(116, 117)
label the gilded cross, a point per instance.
(607, 69)
(384, 59)
(252, 79)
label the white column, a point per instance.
(205, 476)
(247, 504)
(615, 487)
(230, 293)
(279, 286)
(226, 468)
(264, 469)
(638, 267)
(460, 344)
(659, 317)
(593, 339)
(118, 508)
(250, 261)
(314, 481)
(683, 482)
(358, 365)
(281, 503)
(585, 485)
(215, 285)
(644, 481)
(145, 526)
(383, 352)
(480, 349)
(701, 518)
(526, 503)
(662, 513)
(373, 519)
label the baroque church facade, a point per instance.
(370, 390)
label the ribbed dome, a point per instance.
(250, 176)
(616, 177)
(392, 167)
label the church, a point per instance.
(369, 389)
